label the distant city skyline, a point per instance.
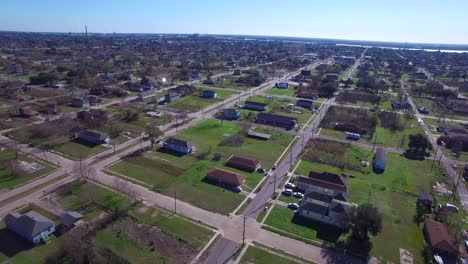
(393, 21)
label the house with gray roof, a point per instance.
(32, 226)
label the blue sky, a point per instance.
(391, 20)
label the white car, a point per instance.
(293, 206)
(298, 195)
(289, 185)
(287, 192)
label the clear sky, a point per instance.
(391, 20)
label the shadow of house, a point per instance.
(12, 244)
(171, 152)
(380, 161)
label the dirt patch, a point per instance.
(141, 210)
(152, 238)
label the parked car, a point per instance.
(237, 189)
(261, 170)
(290, 185)
(298, 195)
(274, 167)
(293, 206)
(287, 192)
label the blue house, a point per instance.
(93, 137)
(195, 75)
(380, 160)
(231, 114)
(255, 106)
(178, 145)
(208, 94)
(31, 226)
(282, 85)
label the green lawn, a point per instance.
(77, 151)
(259, 256)
(195, 102)
(37, 254)
(195, 235)
(168, 173)
(394, 192)
(278, 91)
(90, 199)
(9, 181)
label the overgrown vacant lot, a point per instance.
(15, 172)
(170, 174)
(394, 192)
(278, 106)
(277, 91)
(260, 256)
(195, 102)
(385, 128)
(365, 99)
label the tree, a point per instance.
(362, 221)
(419, 143)
(153, 133)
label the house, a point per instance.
(79, 102)
(380, 160)
(438, 236)
(307, 94)
(195, 75)
(178, 145)
(286, 122)
(92, 137)
(331, 77)
(282, 85)
(146, 94)
(224, 177)
(425, 199)
(398, 105)
(255, 106)
(243, 163)
(324, 182)
(70, 218)
(305, 73)
(231, 114)
(31, 226)
(307, 104)
(27, 111)
(209, 81)
(146, 84)
(453, 139)
(93, 100)
(258, 135)
(171, 97)
(236, 72)
(208, 94)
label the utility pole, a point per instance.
(81, 169)
(175, 202)
(274, 185)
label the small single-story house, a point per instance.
(439, 238)
(171, 97)
(243, 163)
(79, 102)
(178, 145)
(195, 75)
(306, 73)
(397, 105)
(258, 135)
(255, 106)
(286, 122)
(70, 218)
(32, 226)
(237, 72)
(209, 94)
(324, 182)
(225, 177)
(425, 199)
(380, 160)
(93, 137)
(146, 94)
(231, 114)
(307, 104)
(27, 111)
(209, 81)
(307, 94)
(453, 139)
(146, 84)
(282, 85)
(328, 214)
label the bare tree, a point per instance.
(153, 133)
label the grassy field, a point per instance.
(90, 199)
(277, 106)
(168, 173)
(77, 151)
(394, 192)
(260, 256)
(9, 181)
(195, 102)
(278, 91)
